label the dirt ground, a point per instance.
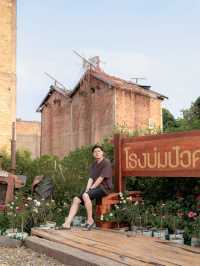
(25, 257)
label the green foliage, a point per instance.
(124, 130)
(168, 120)
(4, 222)
(189, 121)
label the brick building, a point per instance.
(28, 136)
(88, 113)
(7, 71)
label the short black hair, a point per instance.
(97, 146)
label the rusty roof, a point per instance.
(111, 81)
(65, 93)
(119, 83)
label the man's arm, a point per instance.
(89, 184)
(97, 182)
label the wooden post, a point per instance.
(10, 189)
(13, 149)
(119, 182)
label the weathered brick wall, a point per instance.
(135, 111)
(69, 123)
(55, 126)
(90, 115)
(7, 70)
(28, 134)
(125, 109)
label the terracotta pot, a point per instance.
(106, 224)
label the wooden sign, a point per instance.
(169, 155)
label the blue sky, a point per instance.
(155, 39)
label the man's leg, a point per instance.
(88, 206)
(73, 211)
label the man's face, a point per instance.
(98, 153)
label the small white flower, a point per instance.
(42, 199)
(52, 200)
(124, 201)
(29, 198)
(17, 208)
(16, 197)
(121, 195)
(26, 205)
(111, 214)
(130, 198)
(37, 203)
(47, 204)
(136, 203)
(101, 218)
(11, 207)
(12, 203)
(35, 210)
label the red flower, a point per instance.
(192, 214)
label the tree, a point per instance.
(193, 112)
(168, 120)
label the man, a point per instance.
(99, 185)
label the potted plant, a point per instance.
(158, 219)
(175, 237)
(195, 240)
(106, 221)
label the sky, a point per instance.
(156, 39)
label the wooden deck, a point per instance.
(123, 249)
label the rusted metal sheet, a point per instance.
(8, 182)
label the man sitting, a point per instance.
(99, 185)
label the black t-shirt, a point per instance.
(103, 169)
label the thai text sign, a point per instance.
(175, 154)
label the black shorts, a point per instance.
(95, 193)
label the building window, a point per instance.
(152, 123)
(92, 90)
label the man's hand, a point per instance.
(97, 182)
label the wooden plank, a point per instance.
(126, 250)
(10, 189)
(85, 245)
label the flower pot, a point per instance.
(175, 236)
(195, 242)
(106, 224)
(177, 240)
(160, 233)
(78, 220)
(147, 232)
(44, 226)
(50, 224)
(21, 235)
(179, 231)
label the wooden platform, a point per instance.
(123, 249)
